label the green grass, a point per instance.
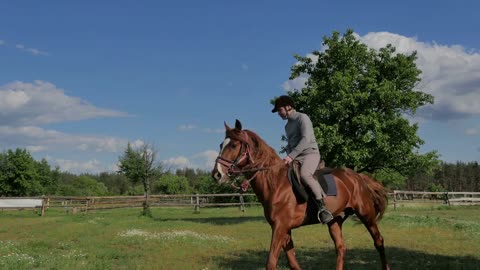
(225, 238)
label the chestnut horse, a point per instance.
(243, 152)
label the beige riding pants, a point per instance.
(309, 165)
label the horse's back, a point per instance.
(346, 181)
(359, 192)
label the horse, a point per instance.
(244, 153)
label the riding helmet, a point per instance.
(283, 101)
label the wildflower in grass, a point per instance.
(16, 259)
(172, 235)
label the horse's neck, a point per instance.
(266, 182)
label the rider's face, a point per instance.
(283, 112)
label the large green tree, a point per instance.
(21, 175)
(358, 99)
(139, 165)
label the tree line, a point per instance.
(22, 175)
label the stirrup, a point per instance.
(324, 216)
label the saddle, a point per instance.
(322, 175)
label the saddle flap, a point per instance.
(322, 175)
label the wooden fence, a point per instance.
(197, 201)
(85, 204)
(447, 198)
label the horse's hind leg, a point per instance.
(372, 228)
(290, 252)
(335, 230)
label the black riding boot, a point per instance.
(324, 215)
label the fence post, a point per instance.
(447, 201)
(44, 205)
(394, 200)
(87, 204)
(242, 203)
(197, 203)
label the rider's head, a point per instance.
(283, 105)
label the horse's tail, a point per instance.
(379, 195)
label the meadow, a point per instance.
(428, 237)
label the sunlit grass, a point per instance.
(428, 237)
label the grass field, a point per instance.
(430, 237)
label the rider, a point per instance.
(302, 146)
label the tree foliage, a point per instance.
(139, 165)
(21, 175)
(459, 176)
(357, 99)
(84, 185)
(170, 183)
(116, 183)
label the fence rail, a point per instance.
(197, 201)
(448, 198)
(85, 204)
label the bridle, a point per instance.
(232, 165)
(234, 170)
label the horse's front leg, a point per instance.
(290, 252)
(279, 237)
(335, 230)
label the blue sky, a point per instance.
(80, 79)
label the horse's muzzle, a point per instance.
(220, 177)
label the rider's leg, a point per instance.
(309, 165)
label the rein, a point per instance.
(246, 183)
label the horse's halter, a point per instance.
(233, 168)
(232, 165)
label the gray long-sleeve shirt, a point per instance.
(300, 136)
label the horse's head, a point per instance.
(234, 153)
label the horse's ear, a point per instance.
(238, 125)
(226, 126)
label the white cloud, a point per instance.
(91, 166)
(472, 132)
(211, 130)
(189, 127)
(295, 84)
(137, 143)
(51, 140)
(177, 162)
(244, 67)
(24, 107)
(41, 102)
(35, 148)
(450, 73)
(204, 160)
(207, 158)
(31, 50)
(298, 83)
(186, 127)
(88, 166)
(11, 100)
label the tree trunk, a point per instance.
(146, 203)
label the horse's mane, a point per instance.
(263, 152)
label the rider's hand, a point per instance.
(287, 160)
